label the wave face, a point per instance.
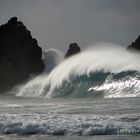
(99, 84)
(104, 71)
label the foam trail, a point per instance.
(105, 57)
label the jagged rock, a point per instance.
(20, 55)
(73, 49)
(135, 45)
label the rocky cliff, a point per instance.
(20, 55)
(135, 45)
(73, 49)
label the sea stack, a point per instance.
(20, 55)
(135, 45)
(73, 49)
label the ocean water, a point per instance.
(92, 95)
(37, 118)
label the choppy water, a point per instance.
(35, 117)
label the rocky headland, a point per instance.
(135, 45)
(20, 55)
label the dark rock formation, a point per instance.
(73, 49)
(20, 55)
(135, 45)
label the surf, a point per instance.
(103, 70)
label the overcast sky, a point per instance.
(57, 23)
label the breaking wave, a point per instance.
(104, 71)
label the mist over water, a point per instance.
(51, 58)
(89, 72)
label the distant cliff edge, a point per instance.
(135, 45)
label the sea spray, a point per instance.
(33, 87)
(51, 58)
(77, 74)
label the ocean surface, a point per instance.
(92, 95)
(37, 118)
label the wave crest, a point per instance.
(81, 74)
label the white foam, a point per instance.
(126, 87)
(62, 124)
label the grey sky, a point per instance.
(57, 23)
